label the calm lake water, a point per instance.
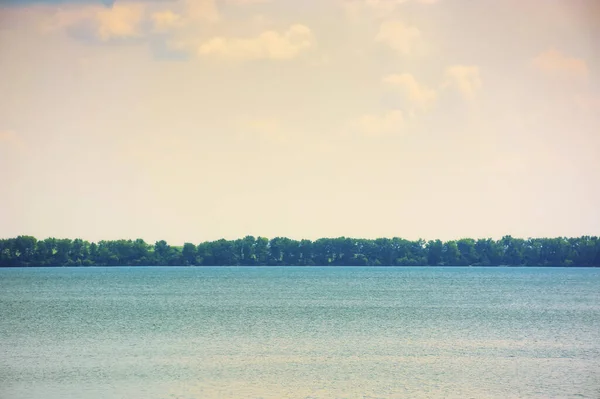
(299, 333)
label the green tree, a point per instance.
(434, 252)
(189, 254)
(262, 251)
(451, 254)
(468, 253)
(558, 251)
(248, 254)
(24, 250)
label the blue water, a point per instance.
(292, 332)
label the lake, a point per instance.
(293, 332)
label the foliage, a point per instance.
(26, 251)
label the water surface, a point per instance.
(293, 332)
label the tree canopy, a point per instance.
(26, 251)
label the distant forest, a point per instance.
(27, 251)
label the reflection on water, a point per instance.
(299, 333)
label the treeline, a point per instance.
(27, 251)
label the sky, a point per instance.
(194, 120)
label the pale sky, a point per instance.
(194, 120)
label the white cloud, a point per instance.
(118, 22)
(399, 37)
(464, 78)
(420, 96)
(555, 64)
(380, 124)
(127, 19)
(268, 45)
(192, 12)
(164, 21)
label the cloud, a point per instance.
(420, 96)
(164, 21)
(267, 45)
(555, 64)
(192, 13)
(399, 37)
(20, 3)
(464, 78)
(122, 21)
(131, 19)
(388, 122)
